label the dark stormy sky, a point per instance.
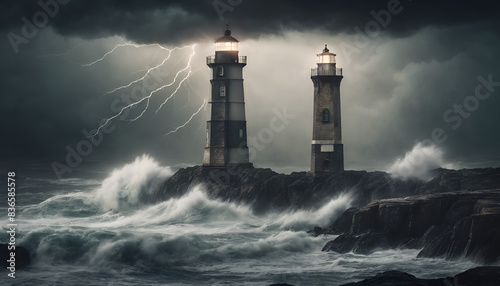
(412, 70)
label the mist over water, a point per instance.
(109, 232)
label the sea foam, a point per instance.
(418, 162)
(132, 185)
(322, 216)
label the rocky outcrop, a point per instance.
(449, 216)
(480, 276)
(267, 190)
(466, 179)
(452, 225)
(397, 278)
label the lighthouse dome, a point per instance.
(226, 43)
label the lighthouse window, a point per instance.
(327, 148)
(220, 71)
(241, 132)
(222, 91)
(325, 115)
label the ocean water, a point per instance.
(97, 230)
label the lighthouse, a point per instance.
(327, 151)
(226, 127)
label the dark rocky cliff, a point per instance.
(455, 215)
(479, 276)
(452, 225)
(267, 190)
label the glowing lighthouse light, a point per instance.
(326, 57)
(226, 43)
(326, 65)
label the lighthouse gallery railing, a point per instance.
(319, 72)
(238, 60)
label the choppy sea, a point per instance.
(95, 230)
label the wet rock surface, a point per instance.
(455, 215)
(453, 225)
(480, 276)
(267, 190)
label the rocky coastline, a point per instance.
(456, 215)
(452, 225)
(267, 190)
(479, 276)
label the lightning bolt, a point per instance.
(125, 45)
(180, 83)
(148, 97)
(189, 120)
(188, 66)
(65, 53)
(148, 71)
(173, 93)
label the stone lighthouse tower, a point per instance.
(226, 126)
(327, 152)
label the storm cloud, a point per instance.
(175, 22)
(402, 75)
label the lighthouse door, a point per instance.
(326, 166)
